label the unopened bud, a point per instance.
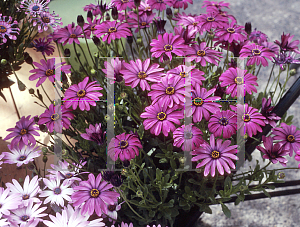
(67, 52)
(281, 175)
(45, 150)
(293, 72)
(248, 28)
(96, 40)
(129, 39)
(114, 13)
(169, 13)
(3, 61)
(139, 193)
(137, 3)
(45, 158)
(90, 15)
(176, 11)
(31, 91)
(27, 58)
(80, 20)
(93, 71)
(139, 41)
(107, 16)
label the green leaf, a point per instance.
(158, 174)
(225, 210)
(191, 180)
(237, 201)
(151, 214)
(173, 164)
(266, 193)
(170, 147)
(140, 131)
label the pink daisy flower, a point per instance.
(83, 94)
(144, 8)
(287, 44)
(169, 91)
(113, 68)
(266, 111)
(124, 146)
(94, 193)
(21, 155)
(214, 6)
(94, 133)
(8, 201)
(160, 118)
(35, 7)
(56, 118)
(191, 22)
(184, 71)
(167, 44)
(90, 27)
(47, 70)
(212, 20)
(43, 45)
(258, 37)
(187, 34)
(139, 72)
(273, 152)
(23, 132)
(112, 30)
(214, 155)
(289, 136)
(187, 137)
(201, 53)
(223, 123)
(144, 21)
(257, 54)
(231, 32)
(234, 77)
(8, 28)
(249, 118)
(123, 4)
(46, 19)
(202, 104)
(68, 34)
(181, 3)
(159, 4)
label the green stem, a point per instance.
(286, 80)
(46, 93)
(83, 54)
(79, 58)
(269, 79)
(88, 47)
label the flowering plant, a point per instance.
(149, 129)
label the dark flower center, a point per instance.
(24, 217)
(112, 29)
(81, 93)
(210, 19)
(55, 116)
(198, 101)
(93, 28)
(290, 138)
(124, 1)
(23, 131)
(170, 91)
(231, 30)
(57, 191)
(24, 197)
(223, 121)
(160, 1)
(69, 175)
(239, 80)
(256, 52)
(201, 53)
(22, 158)
(195, 23)
(246, 117)
(142, 75)
(49, 72)
(95, 193)
(112, 207)
(188, 135)
(161, 116)
(143, 23)
(168, 47)
(3, 29)
(46, 19)
(35, 8)
(215, 154)
(73, 36)
(182, 74)
(123, 144)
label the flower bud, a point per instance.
(80, 20)
(137, 3)
(116, 180)
(126, 163)
(67, 52)
(31, 91)
(129, 39)
(96, 40)
(3, 61)
(36, 119)
(139, 41)
(96, 55)
(64, 152)
(248, 28)
(176, 11)
(169, 13)
(45, 158)
(293, 72)
(27, 58)
(107, 16)
(281, 175)
(114, 13)
(45, 150)
(243, 187)
(93, 71)
(123, 95)
(90, 15)
(43, 128)
(139, 193)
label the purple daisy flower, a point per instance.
(95, 194)
(114, 67)
(249, 118)
(212, 20)
(169, 91)
(159, 4)
(56, 118)
(9, 201)
(1, 157)
(273, 152)
(43, 45)
(112, 30)
(123, 4)
(187, 34)
(160, 25)
(94, 133)
(271, 46)
(167, 44)
(89, 27)
(212, 5)
(181, 3)
(21, 155)
(34, 7)
(289, 136)
(23, 132)
(202, 104)
(8, 28)
(231, 32)
(46, 19)
(287, 45)
(214, 155)
(68, 34)
(223, 122)
(184, 71)
(187, 137)
(98, 8)
(124, 146)
(283, 59)
(161, 118)
(233, 77)
(83, 94)
(144, 21)
(201, 53)
(139, 73)
(47, 70)
(266, 111)
(257, 54)
(191, 22)
(144, 8)
(258, 37)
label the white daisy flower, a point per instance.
(28, 191)
(8, 201)
(3, 222)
